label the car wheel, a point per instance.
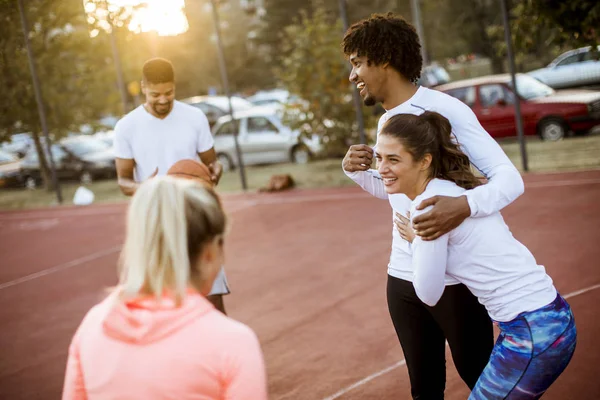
(225, 161)
(86, 178)
(552, 129)
(301, 154)
(30, 183)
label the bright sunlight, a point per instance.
(165, 17)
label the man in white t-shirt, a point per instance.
(160, 132)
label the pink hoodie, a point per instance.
(146, 349)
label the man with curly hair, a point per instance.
(384, 51)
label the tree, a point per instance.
(279, 14)
(72, 70)
(315, 71)
(467, 21)
(542, 29)
(577, 21)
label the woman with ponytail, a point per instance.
(417, 157)
(156, 336)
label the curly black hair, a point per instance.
(386, 38)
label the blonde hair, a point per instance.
(168, 224)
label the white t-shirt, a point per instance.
(154, 142)
(483, 255)
(505, 182)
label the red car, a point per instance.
(548, 113)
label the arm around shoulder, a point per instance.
(505, 183)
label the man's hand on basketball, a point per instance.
(358, 158)
(216, 170)
(447, 214)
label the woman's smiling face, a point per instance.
(397, 167)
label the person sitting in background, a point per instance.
(156, 336)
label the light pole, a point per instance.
(118, 68)
(517, 102)
(355, 94)
(39, 101)
(416, 14)
(225, 82)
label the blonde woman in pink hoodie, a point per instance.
(156, 336)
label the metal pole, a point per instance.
(225, 81)
(511, 63)
(416, 14)
(117, 62)
(39, 101)
(355, 94)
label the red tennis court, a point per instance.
(308, 274)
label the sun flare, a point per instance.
(165, 17)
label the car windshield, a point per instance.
(238, 104)
(6, 158)
(440, 74)
(83, 147)
(530, 88)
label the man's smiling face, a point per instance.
(368, 78)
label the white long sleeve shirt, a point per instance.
(483, 255)
(504, 180)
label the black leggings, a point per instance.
(422, 330)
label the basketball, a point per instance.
(191, 169)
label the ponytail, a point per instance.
(168, 223)
(453, 165)
(431, 133)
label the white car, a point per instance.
(580, 67)
(263, 139)
(19, 144)
(215, 107)
(107, 137)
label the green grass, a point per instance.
(321, 173)
(571, 154)
(576, 153)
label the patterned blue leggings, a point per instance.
(530, 353)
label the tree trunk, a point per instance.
(44, 169)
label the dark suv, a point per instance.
(77, 158)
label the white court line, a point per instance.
(367, 379)
(402, 362)
(276, 200)
(582, 291)
(59, 214)
(61, 267)
(85, 259)
(321, 197)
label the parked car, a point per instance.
(263, 139)
(580, 67)
(79, 158)
(107, 137)
(18, 144)
(273, 97)
(10, 170)
(548, 113)
(433, 75)
(215, 107)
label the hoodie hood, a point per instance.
(147, 319)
